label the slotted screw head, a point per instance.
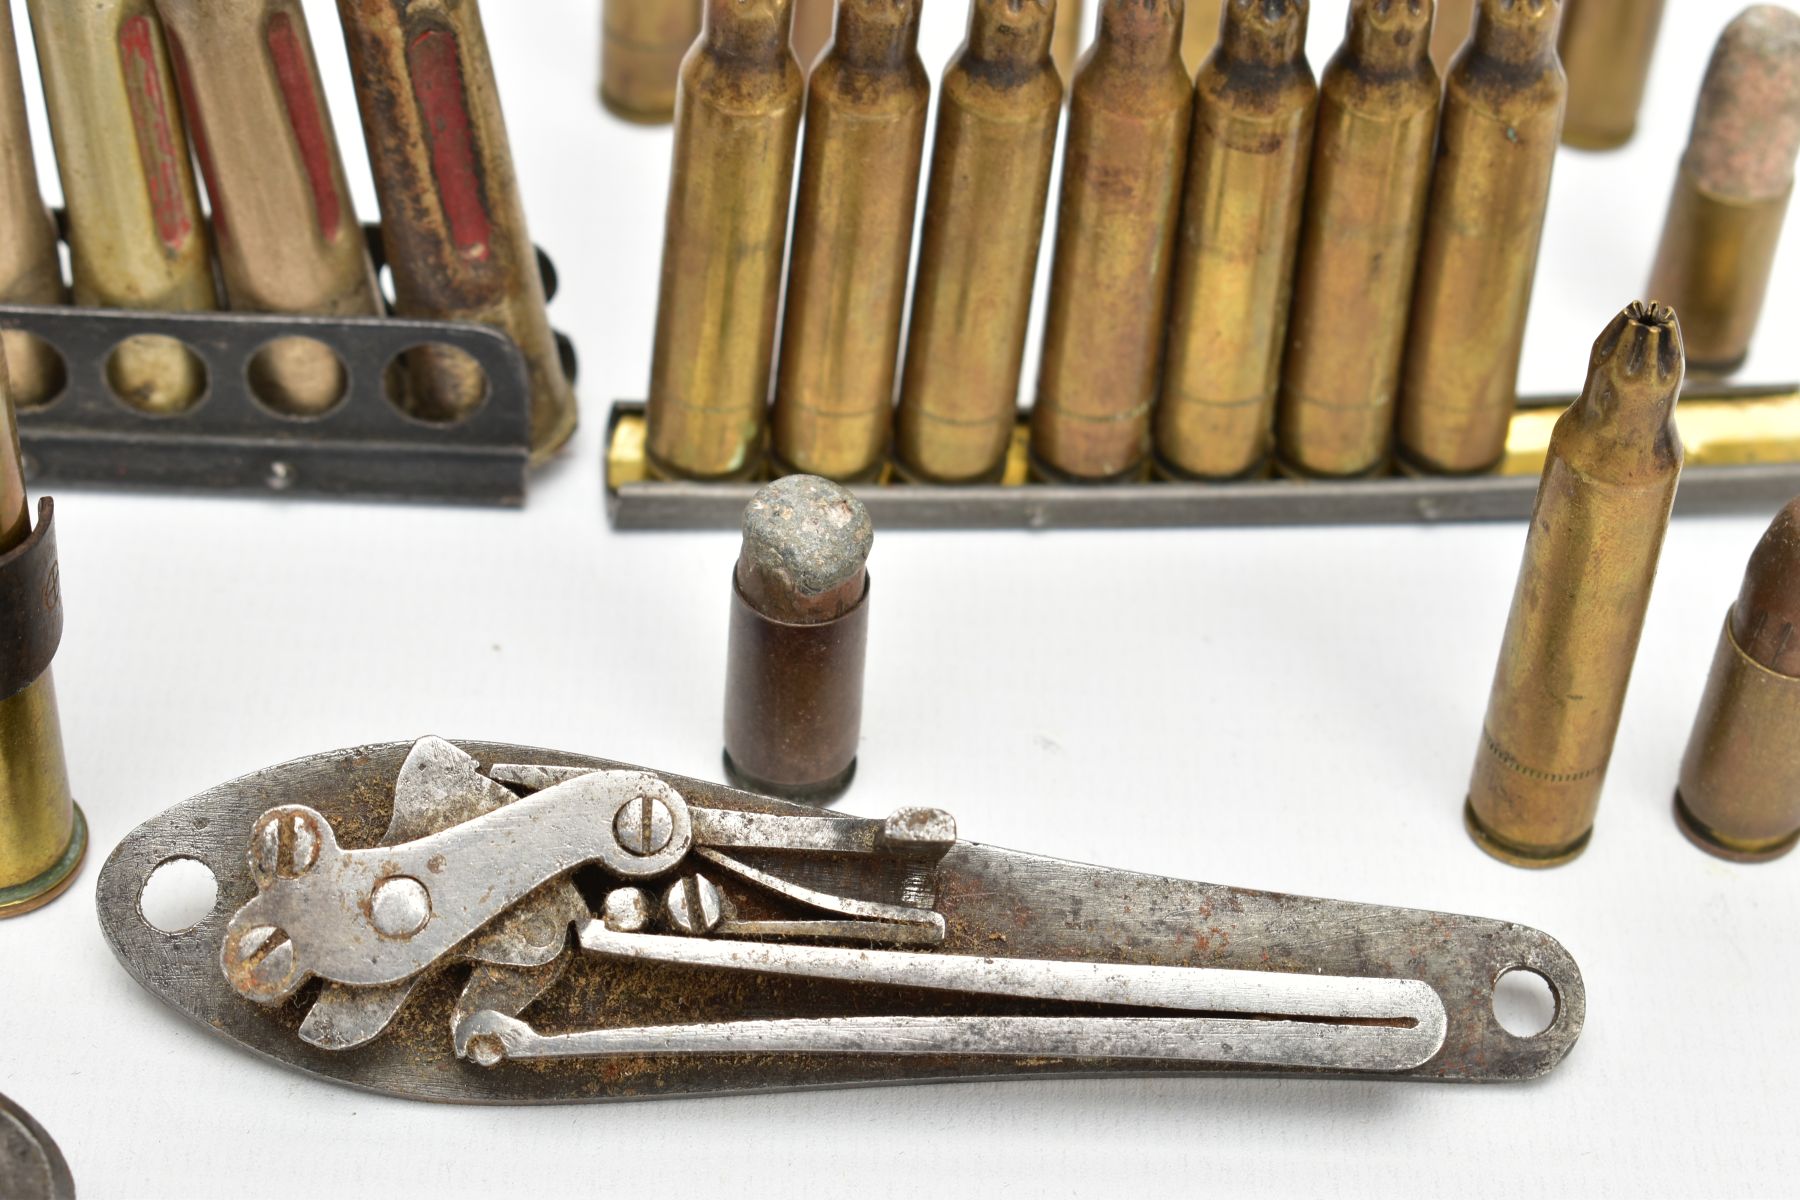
(644, 826)
(694, 904)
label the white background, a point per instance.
(1294, 710)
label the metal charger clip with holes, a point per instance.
(495, 924)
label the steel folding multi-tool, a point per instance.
(399, 917)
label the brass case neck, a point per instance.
(1263, 33)
(1393, 42)
(1014, 33)
(1517, 34)
(876, 35)
(1134, 34)
(748, 29)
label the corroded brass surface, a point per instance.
(726, 233)
(1365, 215)
(1590, 560)
(998, 110)
(287, 233)
(1606, 47)
(30, 272)
(853, 231)
(1254, 104)
(1732, 190)
(1740, 780)
(136, 236)
(452, 220)
(1503, 110)
(813, 20)
(1121, 199)
(642, 43)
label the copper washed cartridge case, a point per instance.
(799, 637)
(136, 236)
(1503, 111)
(1731, 193)
(43, 836)
(30, 271)
(998, 110)
(852, 251)
(1121, 205)
(1365, 216)
(813, 21)
(1254, 106)
(642, 43)
(1740, 780)
(724, 240)
(1070, 34)
(1590, 560)
(452, 221)
(287, 233)
(1606, 47)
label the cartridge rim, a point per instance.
(1520, 856)
(1702, 836)
(35, 893)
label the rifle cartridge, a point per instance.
(853, 231)
(1503, 112)
(1606, 47)
(1590, 561)
(736, 124)
(1254, 105)
(452, 221)
(998, 110)
(1365, 217)
(1740, 780)
(136, 236)
(1732, 189)
(1123, 168)
(288, 238)
(642, 43)
(30, 269)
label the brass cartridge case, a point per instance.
(1254, 105)
(1731, 193)
(853, 232)
(1123, 167)
(1740, 781)
(1606, 47)
(736, 124)
(1450, 32)
(1365, 216)
(43, 836)
(1069, 36)
(642, 43)
(1200, 31)
(287, 233)
(998, 111)
(452, 221)
(813, 21)
(30, 271)
(1503, 112)
(1590, 560)
(798, 641)
(136, 236)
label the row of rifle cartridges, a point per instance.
(131, 85)
(1251, 269)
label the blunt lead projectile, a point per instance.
(1731, 193)
(452, 221)
(1115, 238)
(1590, 560)
(1740, 782)
(735, 129)
(984, 224)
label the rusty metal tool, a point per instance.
(728, 942)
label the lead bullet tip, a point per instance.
(806, 550)
(1766, 618)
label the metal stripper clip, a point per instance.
(401, 921)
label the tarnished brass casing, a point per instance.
(30, 271)
(998, 110)
(136, 236)
(1069, 36)
(1123, 167)
(853, 231)
(1503, 112)
(1606, 47)
(43, 836)
(1732, 190)
(1740, 781)
(736, 124)
(642, 43)
(1450, 32)
(1365, 217)
(452, 221)
(1590, 560)
(813, 21)
(1200, 31)
(287, 233)
(1254, 105)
